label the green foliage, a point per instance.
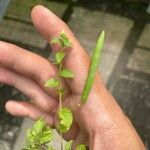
(81, 147)
(52, 83)
(65, 116)
(93, 67)
(62, 39)
(68, 146)
(40, 134)
(59, 56)
(66, 73)
(65, 120)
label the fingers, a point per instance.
(49, 25)
(25, 109)
(28, 87)
(28, 64)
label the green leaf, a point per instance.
(46, 136)
(40, 134)
(81, 147)
(65, 120)
(52, 83)
(93, 67)
(68, 146)
(66, 73)
(32, 138)
(59, 56)
(39, 125)
(55, 40)
(64, 40)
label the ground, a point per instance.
(125, 63)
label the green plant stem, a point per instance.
(60, 104)
(60, 99)
(60, 95)
(60, 108)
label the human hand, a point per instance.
(99, 123)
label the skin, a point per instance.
(100, 123)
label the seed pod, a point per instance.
(93, 67)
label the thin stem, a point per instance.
(60, 95)
(60, 105)
(60, 99)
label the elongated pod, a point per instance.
(93, 67)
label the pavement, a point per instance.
(125, 62)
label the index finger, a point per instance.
(49, 25)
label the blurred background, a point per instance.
(125, 63)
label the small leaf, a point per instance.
(65, 120)
(66, 73)
(46, 136)
(59, 56)
(31, 138)
(39, 125)
(81, 147)
(68, 146)
(55, 40)
(64, 40)
(52, 83)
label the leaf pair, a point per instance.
(62, 39)
(66, 73)
(55, 82)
